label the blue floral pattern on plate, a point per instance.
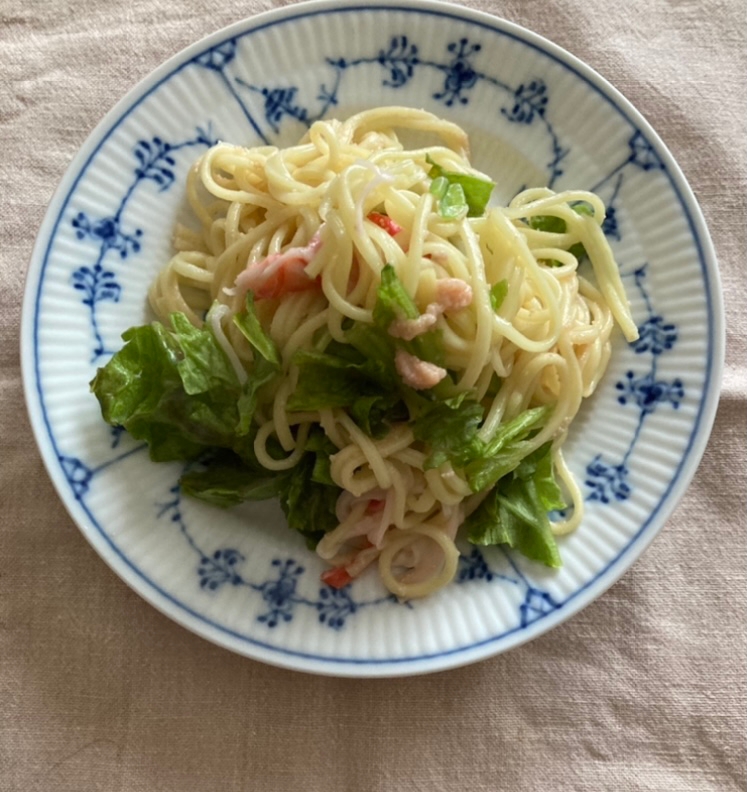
(155, 161)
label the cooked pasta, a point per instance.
(310, 233)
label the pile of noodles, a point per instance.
(268, 217)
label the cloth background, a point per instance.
(643, 690)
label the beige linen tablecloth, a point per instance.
(643, 690)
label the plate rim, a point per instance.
(253, 648)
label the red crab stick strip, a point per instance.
(337, 578)
(280, 273)
(384, 221)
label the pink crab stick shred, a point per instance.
(280, 273)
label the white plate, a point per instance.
(536, 115)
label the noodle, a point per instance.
(310, 231)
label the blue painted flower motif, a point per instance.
(648, 393)
(96, 284)
(473, 567)
(607, 482)
(655, 336)
(645, 391)
(536, 604)
(328, 96)
(530, 101)
(108, 232)
(610, 225)
(334, 606)
(217, 58)
(78, 475)
(460, 76)
(279, 594)
(558, 155)
(642, 153)
(204, 137)
(400, 59)
(156, 162)
(220, 568)
(172, 507)
(279, 102)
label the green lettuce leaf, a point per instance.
(450, 433)
(306, 492)
(505, 451)
(375, 414)
(476, 191)
(309, 504)
(449, 430)
(262, 373)
(322, 447)
(203, 365)
(228, 482)
(392, 300)
(376, 348)
(176, 389)
(557, 225)
(342, 377)
(173, 389)
(453, 205)
(549, 223)
(248, 322)
(266, 365)
(498, 292)
(327, 380)
(515, 512)
(514, 516)
(519, 427)
(538, 467)
(393, 303)
(439, 186)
